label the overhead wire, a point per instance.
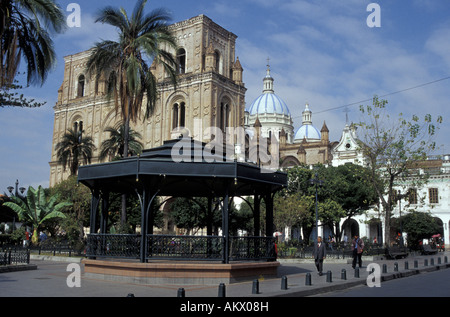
(382, 96)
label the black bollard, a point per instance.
(357, 272)
(329, 278)
(308, 279)
(255, 287)
(284, 283)
(181, 292)
(384, 268)
(343, 274)
(222, 290)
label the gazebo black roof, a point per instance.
(199, 174)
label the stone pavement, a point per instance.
(51, 276)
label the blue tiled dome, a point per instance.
(307, 131)
(268, 103)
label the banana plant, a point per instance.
(37, 209)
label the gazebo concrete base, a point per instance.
(177, 272)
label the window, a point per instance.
(413, 196)
(78, 129)
(181, 61)
(81, 83)
(433, 195)
(219, 62)
(224, 116)
(178, 115)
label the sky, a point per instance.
(321, 52)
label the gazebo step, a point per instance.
(178, 273)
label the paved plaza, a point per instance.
(53, 278)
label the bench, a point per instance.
(396, 252)
(427, 249)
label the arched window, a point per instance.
(81, 83)
(224, 116)
(78, 129)
(181, 61)
(178, 115)
(219, 62)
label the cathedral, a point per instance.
(210, 92)
(271, 115)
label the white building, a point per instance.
(433, 197)
(346, 151)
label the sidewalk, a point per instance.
(50, 279)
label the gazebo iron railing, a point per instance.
(178, 247)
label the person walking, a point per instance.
(357, 247)
(319, 254)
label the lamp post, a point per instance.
(16, 193)
(21, 196)
(316, 182)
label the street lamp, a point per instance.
(316, 182)
(21, 196)
(21, 189)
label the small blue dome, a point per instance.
(268, 103)
(307, 131)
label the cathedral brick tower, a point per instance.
(210, 93)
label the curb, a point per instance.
(320, 289)
(56, 258)
(20, 267)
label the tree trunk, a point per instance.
(126, 136)
(123, 218)
(387, 228)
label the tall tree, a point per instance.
(25, 27)
(77, 217)
(114, 145)
(392, 147)
(344, 192)
(37, 208)
(126, 63)
(74, 148)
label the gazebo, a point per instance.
(180, 168)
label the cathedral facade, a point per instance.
(209, 92)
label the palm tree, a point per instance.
(37, 209)
(24, 31)
(115, 144)
(73, 147)
(125, 63)
(114, 147)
